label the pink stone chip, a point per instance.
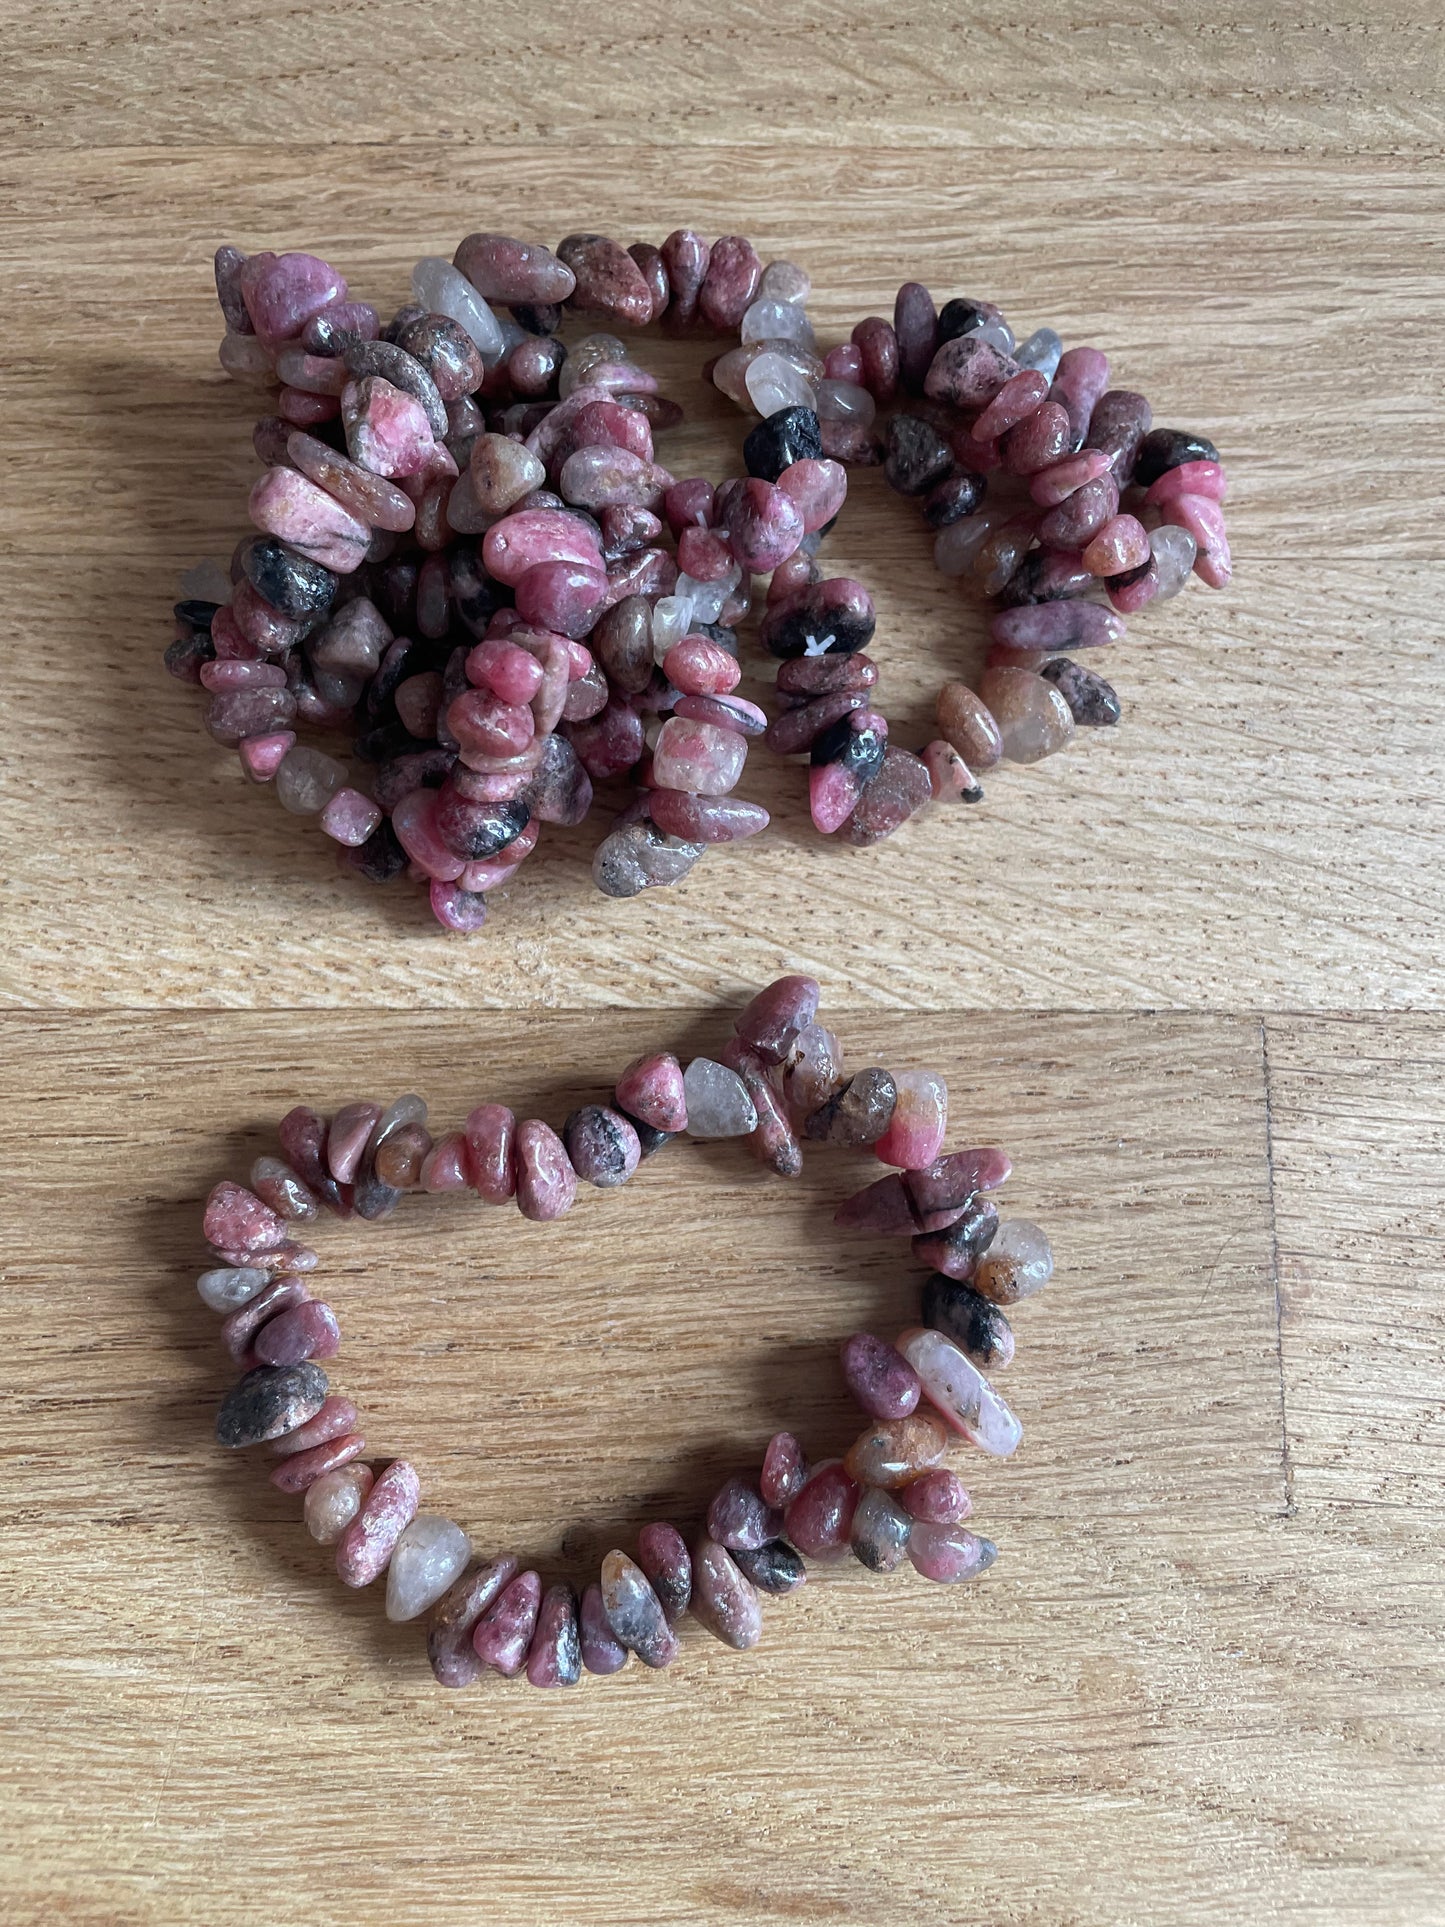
(337, 1415)
(546, 1182)
(915, 1132)
(650, 1089)
(501, 269)
(350, 1129)
(1204, 520)
(444, 1168)
(948, 1553)
(698, 757)
(491, 1131)
(350, 818)
(764, 525)
(237, 1220)
(262, 756)
(387, 430)
(785, 1469)
(939, 1496)
(533, 536)
(1189, 478)
(771, 1023)
(699, 667)
(365, 1548)
(817, 489)
(284, 504)
(305, 1331)
(504, 1632)
(880, 1378)
(283, 291)
(305, 1468)
(1055, 484)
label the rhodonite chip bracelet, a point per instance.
(893, 1497)
(471, 566)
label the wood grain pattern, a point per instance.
(1262, 831)
(1204, 1682)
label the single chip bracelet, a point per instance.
(779, 1083)
(469, 560)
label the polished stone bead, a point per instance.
(1165, 448)
(763, 524)
(717, 1101)
(859, 1113)
(819, 1518)
(1041, 351)
(915, 329)
(1081, 378)
(238, 1220)
(546, 1182)
(773, 1568)
(333, 1501)
(722, 1599)
(960, 1393)
(937, 1497)
(1033, 719)
(268, 1402)
(663, 1556)
(898, 791)
(529, 538)
(444, 288)
(1173, 553)
(298, 1474)
(880, 1531)
(730, 283)
(350, 818)
(554, 1657)
(949, 1553)
(827, 675)
(877, 345)
(639, 856)
(975, 1325)
(813, 1071)
(1056, 484)
(426, 1560)
(949, 1212)
(1118, 426)
(308, 1330)
(771, 1023)
(368, 1542)
(789, 435)
(387, 429)
(918, 458)
(399, 1161)
(817, 489)
(951, 778)
(965, 722)
(601, 1651)
(283, 291)
(880, 1378)
(834, 617)
(1092, 702)
(772, 1139)
(560, 791)
(1203, 519)
(957, 496)
(490, 1151)
(634, 1611)
(303, 1133)
(916, 1129)
(968, 372)
(697, 757)
(651, 1088)
(502, 472)
(896, 1450)
(602, 1145)
(227, 1289)
(454, 1659)
(1037, 442)
(307, 779)
(511, 271)
(348, 1137)
(739, 1517)
(1189, 478)
(1056, 625)
(1018, 1262)
(785, 1470)
(608, 281)
(502, 1635)
(704, 819)
(1120, 545)
(846, 761)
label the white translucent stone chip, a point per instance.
(441, 289)
(774, 383)
(1041, 351)
(777, 321)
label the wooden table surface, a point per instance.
(1189, 973)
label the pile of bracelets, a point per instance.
(778, 1083)
(469, 563)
